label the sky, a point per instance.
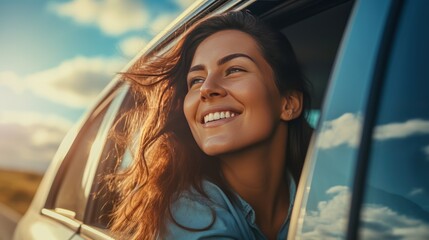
(56, 57)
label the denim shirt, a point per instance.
(231, 221)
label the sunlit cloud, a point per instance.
(415, 191)
(343, 130)
(29, 140)
(133, 45)
(184, 3)
(160, 22)
(379, 222)
(113, 17)
(76, 82)
(12, 81)
(401, 130)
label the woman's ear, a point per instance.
(291, 105)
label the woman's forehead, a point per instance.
(223, 43)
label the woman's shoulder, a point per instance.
(196, 216)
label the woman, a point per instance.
(224, 135)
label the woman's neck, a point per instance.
(257, 175)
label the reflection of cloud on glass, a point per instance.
(426, 151)
(343, 130)
(378, 222)
(346, 130)
(415, 191)
(329, 220)
(401, 130)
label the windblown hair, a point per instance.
(167, 160)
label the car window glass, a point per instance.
(78, 168)
(70, 198)
(103, 197)
(396, 197)
(327, 179)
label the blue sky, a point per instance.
(56, 56)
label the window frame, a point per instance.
(48, 209)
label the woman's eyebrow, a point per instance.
(232, 56)
(222, 61)
(196, 68)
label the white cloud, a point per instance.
(343, 130)
(380, 222)
(75, 82)
(11, 80)
(416, 191)
(113, 17)
(401, 130)
(159, 23)
(184, 3)
(29, 140)
(133, 45)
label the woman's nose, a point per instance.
(211, 89)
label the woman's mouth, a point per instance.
(214, 116)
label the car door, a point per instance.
(59, 207)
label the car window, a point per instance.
(396, 196)
(113, 159)
(70, 191)
(322, 204)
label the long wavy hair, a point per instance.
(166, 158)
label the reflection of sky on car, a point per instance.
(396, 197)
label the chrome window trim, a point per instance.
(73, 224)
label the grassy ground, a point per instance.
(18, 188)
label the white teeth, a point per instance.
(217, 115)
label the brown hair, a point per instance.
(167, 161)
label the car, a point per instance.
(365, 174)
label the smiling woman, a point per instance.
(225, 135)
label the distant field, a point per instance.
(18, 188)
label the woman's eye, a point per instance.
(233, 70)
(194, 81)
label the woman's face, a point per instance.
(232, 101)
